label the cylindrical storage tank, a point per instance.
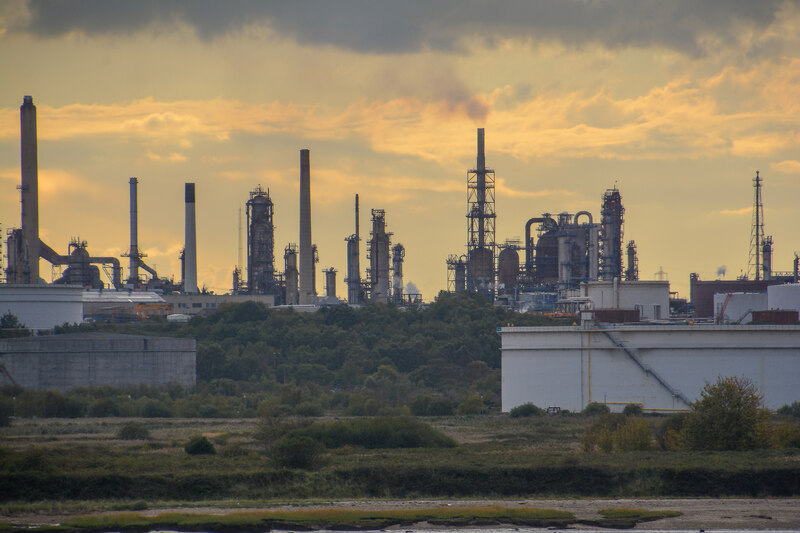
(508, 267)
(785, 297)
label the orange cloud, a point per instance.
(734, 212)
(682, 119)
(787, 167)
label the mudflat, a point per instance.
(698, 514)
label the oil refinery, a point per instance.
(564, 260)
(633, 340)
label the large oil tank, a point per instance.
(508, 267)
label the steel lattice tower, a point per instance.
(481, 245)
(756, 231)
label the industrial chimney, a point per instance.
(133, 254)
(190, 252)
(30, 189)
(308, 292)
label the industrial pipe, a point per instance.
(579, 213)
(529, 241)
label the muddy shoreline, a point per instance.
(705, 514)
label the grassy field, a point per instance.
(82, 462)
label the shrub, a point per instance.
(133, 431)
(103, 407)
(792, 410)
(308, 409)
(595, 408)
(526, 409)
(199, 445)
(297, 451)
(632, 409)
(669, 434)
(271, 428)
(617, 432)
(785, 435)
(155, 409)
(729, 415)
(383, 432)
(6, 412)
(633, 435)
(471, 406)
(427, 405)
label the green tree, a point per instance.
(729, 415)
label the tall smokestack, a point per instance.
(190, 253)
(307, 291)
(133, 255)
(30, 187)
(481, 155)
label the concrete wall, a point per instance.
(650, 297)
(42, 306)
(64, 362)
(569, 367)
(203, 304)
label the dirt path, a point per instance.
(698, 514)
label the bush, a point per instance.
(471, 406)
(526, 409)
(427, 405)
(199, 445)
(729, 415)
(669, 434)
(785, 435)
(155, 409)
(6, 412)
(632, 409)
(297, 451)
(792, 410)
(633, 435)
(308, 409)
(595, 408)
(133, 431)
(383, 432)
(617, 432)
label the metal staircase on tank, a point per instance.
(647, 369)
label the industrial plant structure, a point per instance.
(260, 243)
(378, 257)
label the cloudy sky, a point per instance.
(677, 103)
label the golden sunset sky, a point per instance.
(678, 103)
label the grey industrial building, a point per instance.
(64, 362)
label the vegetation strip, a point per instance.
(321, 519)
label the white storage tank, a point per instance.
(786, 297)
(738, 307)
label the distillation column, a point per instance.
(354, 294)
(379, 258)
(398, 253)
